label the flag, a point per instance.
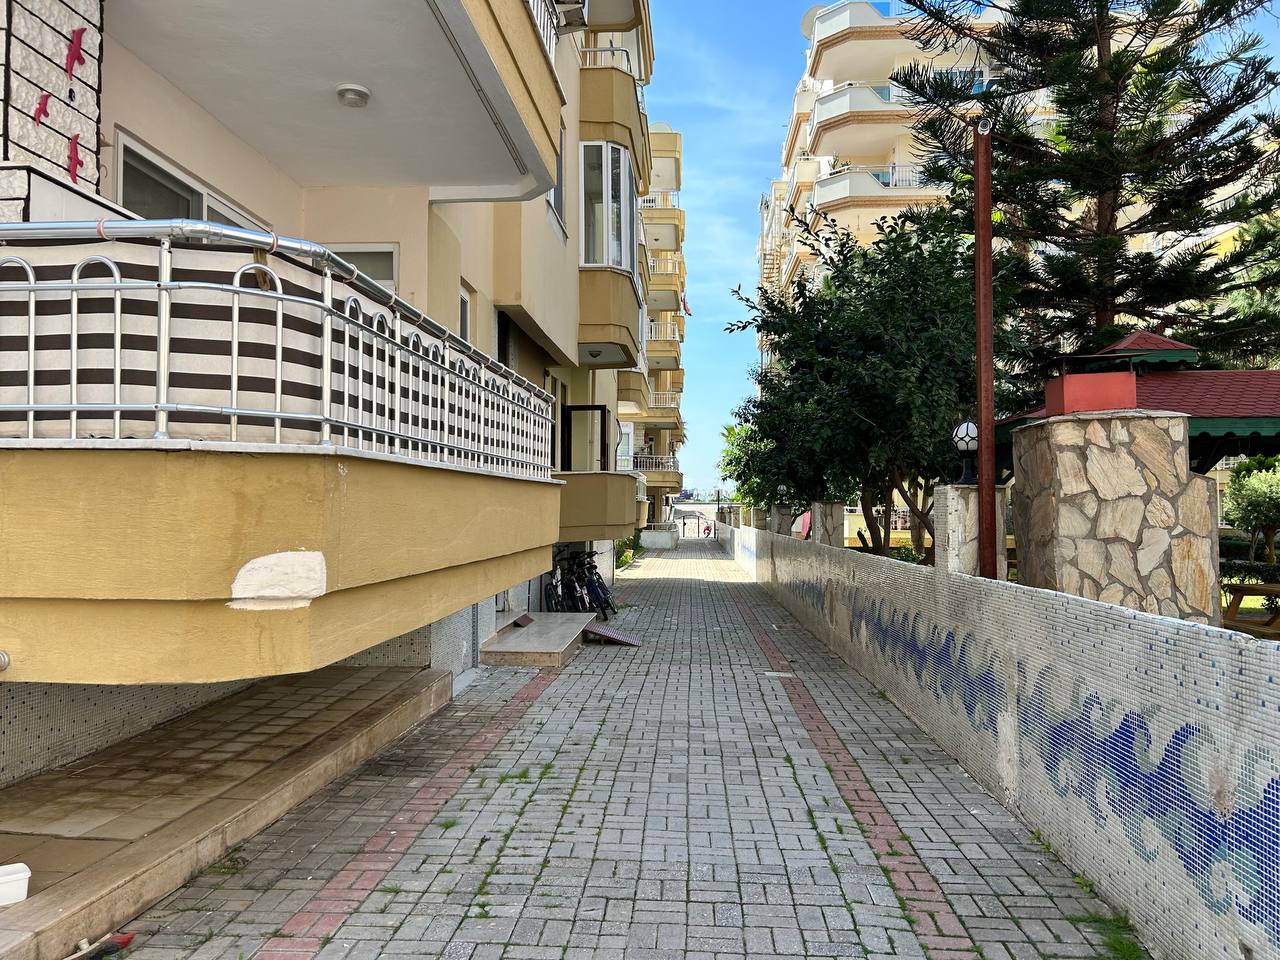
(684, 302)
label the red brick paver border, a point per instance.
(936, 924)
(306, 932)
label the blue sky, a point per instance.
(725, 75)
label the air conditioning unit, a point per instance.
(573, 15)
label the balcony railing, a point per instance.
(547, 21)
(664, 330)
(890, 176)
(138, 331)
(665, 398)
(661, 200)
(665, 265)
(645, 462)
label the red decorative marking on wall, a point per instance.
(42, 109)
(937, 926)
(74, 161)
(75, 52)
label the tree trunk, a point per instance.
(888, 519)
(868, 503)
(1271, 545)
(1108, 200)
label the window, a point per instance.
(379, 262)
(158, 190)
(608, 207)
(464, 315)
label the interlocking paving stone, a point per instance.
(728, 791)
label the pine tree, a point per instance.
(1126, 138)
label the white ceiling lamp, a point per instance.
(353, 95)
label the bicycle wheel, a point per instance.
(598, 603)
(550, 600)
(606, 595)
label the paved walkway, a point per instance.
(728, 790)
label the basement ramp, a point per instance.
(113, 832)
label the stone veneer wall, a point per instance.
(1145, 749)
(1106, 507)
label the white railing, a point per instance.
(661, 200)
(894, 175)
(617, 57)
(665, 264)
(546, 19)
(664, 330)
(646, 462)
(665, 398)
(137, 331)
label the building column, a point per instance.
(827, 522)
(955, 530)
(1106, 507)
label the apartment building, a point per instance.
(653, 429)
(312, 338)
(848, 151)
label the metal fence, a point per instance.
(547, 21)
(665, 398)
(180, 329)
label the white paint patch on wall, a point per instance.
(280, 581)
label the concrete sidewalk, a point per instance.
(728, 790)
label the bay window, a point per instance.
(608, 207)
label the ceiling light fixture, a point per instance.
(353, 95)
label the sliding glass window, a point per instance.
(608, 207)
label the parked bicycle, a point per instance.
(576, 586)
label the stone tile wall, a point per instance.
(1144, 749)
(1106, 507)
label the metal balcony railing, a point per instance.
(646, 462)
(661, 200)
(664, 264)
(546, 19)
(894, 175)
(138, 331)
(665, 398)
(617, 57)
(664, 330)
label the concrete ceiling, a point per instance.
(268, 72)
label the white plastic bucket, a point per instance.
(13, 883)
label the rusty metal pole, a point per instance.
(986, 351)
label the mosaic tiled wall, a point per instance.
(43, 725)
(1146, 750)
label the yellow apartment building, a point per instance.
(848, 151)
(314, 338)
(651, 391)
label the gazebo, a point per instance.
(1231, 412)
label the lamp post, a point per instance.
(965, 439)
(985, 350)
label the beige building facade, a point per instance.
(314, 338)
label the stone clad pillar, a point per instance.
(1106, 507)
(827, 522)
(780, 520)
(955, 530)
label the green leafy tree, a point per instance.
(1126, 136)
(1252, 503)
(873, 366)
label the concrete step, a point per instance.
(552, 640)
(93, 870)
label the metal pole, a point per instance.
(985, 352)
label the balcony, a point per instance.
(246, 452)
(666, 282)
(633, 392)
(464, 96)
(839, 34)
(597, 506)
(665, 337)
(668, 154)
(669, 399)
(663, 220)
(872, 191)
(658, 471)
(613, 106)
(859, 118)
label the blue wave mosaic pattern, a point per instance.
(1227, 841)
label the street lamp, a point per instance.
(965, 438)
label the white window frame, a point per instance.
(628, 214)
(391, 248)
(126, 141)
